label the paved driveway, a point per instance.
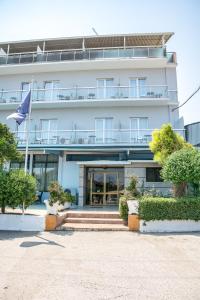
(99, 265)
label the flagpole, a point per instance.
(27, 129)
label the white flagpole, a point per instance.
(27, 129)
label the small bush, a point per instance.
(123, 208)
(22, 188)
(131, 188)
(57, 194)
(187, 208)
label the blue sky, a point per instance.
(27, 19)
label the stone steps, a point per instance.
(93, 215)
(95, 220)
(92, 227)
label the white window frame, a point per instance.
(137, 79)
(52, 94)
(49, 135)
(105, 92)
(105, 135)
(24, 92)
(139, 136)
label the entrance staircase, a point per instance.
(93, 221)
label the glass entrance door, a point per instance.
(104, 186)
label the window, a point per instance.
(16, 165)
(153, 175)
(25, 87)
(105, 88)
(45, 170)
(48, 130)
(137, 87)
(51, 89)
(21, 131)
(103, 130)
(138, 129)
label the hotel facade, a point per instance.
(95, 102)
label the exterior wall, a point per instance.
(84, 118)
(193, 133)
(139, 170)
(88, 78)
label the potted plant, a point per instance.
(128, 204)
(58, 199)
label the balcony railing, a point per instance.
(88, 137)
(87, 54)
(90, 93)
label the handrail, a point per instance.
(79, 87)
(82, 50)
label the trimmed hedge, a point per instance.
(186, 208)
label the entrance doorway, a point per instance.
(104, 186)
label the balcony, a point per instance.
(87, 54)
(85, 94)
(66, 138)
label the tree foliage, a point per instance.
(182, 167)
(165, 141)
(8, 145)
(16, 187)
(57, 194)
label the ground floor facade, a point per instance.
(94, 177)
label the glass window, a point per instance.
(25, 87)
(103, 130)
(48, 130)
(45, 169)
(105, 88)
(137, 87)
(153, 175)
(51, 90)
(15, 165)
(138, 126)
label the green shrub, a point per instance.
(182, 167)
(186, 208)
(131, 188)
(4, 189)
(22, 189)
(57, 194)
(16, 188)
(123, 208)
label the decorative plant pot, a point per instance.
(133, 222)
(67, 205)
(51, 210)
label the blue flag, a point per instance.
(22, 110)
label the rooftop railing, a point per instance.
(90, 93)
(87, 54)
(88, 137)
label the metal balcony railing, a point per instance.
(87, 54)
(90, 93)
(88, 137)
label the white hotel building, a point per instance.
(95, 102)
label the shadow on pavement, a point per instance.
(44, 242)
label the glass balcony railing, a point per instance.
(88, 54)
(90, 93)
(88, 137)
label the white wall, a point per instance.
(84, 118)
(70, 174)
(139, 170)
(88, 78)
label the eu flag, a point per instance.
(22, 110)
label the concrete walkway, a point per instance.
(99, 265)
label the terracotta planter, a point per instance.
(53, 221)
(133, 222)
